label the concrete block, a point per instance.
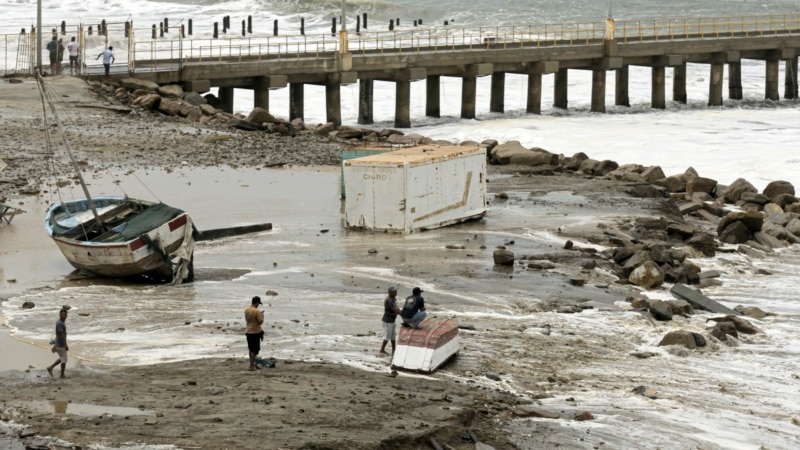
(412, 74)
(198, 86)
(478, 70)
(788, 53)
(609, 62)
(342, 78)
(541, 67)
(276, 81)
(733, 57)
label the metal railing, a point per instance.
(146, 53)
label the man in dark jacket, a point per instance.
(413, 312)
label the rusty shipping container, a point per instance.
(417, 188)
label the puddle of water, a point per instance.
(86, 409)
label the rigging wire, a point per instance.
(49, 145)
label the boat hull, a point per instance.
(151, 252)
(426, 349)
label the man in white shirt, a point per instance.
(73, 48)
(108, 59)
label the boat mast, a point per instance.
(77, 168)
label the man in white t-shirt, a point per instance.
(108, 59)
(73, 48)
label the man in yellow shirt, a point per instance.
(254, 333)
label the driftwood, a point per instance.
(231, 231)
(699, 300)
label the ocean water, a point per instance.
(328, 284)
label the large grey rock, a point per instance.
(700, 184)
(193, 98)
(170, 91)
(674, 183)
(653, 174)
(735, 233)
(734, 192)
(648, 276)
(776, 188)
(502, 153)
(574, 162)
(753, 220)
(683, 338)
(793, 226)
(259, 116)
(660, 310)
(132, 84)
(503, 257)
(534, 158)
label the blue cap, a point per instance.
(392, 288)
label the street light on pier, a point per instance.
(343, 43)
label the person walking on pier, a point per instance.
(60, 57)
(73, 57)
(108, 59)
(52, 47)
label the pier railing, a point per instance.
(142, 52)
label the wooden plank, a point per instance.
(699, 300)
(232, 231)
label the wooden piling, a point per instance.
(358, 24)
(658, 87)
(391, 24)
(598, 100)
(275, 28)
(534, 100)
(105, 27)
(402, 104)
(790, 79)
(154, 34)
(183, 31)
(161, 29)
(127, 29)
(302, 26)
(498, 92)
(365, 103)
(621, 94)
(432, 96)
(364, 20)
(190, 27)
(63, 27)
(166, 25)
(333, 26)
(90, 30)
(216, 29)
(296, 101)
(244, 28)
(249, 24)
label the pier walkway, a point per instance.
(262, 63)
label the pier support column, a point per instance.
(261, 93)
(772, 79)
(790, 79)
(432, 96)
(715, 84)
(296, 101)
(333, 104)
(679, 83)
(621, 96)
(226, 99)
(402, 104)
(599, 90)
(735, 80)
(469, 87)
(365, 90)
(497, 100)
(658, 87)
(534, 105)
(560, 89)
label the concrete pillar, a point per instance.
(772, 80)
(621, 96)
(226, 99)
(715, 84)
(790, 81)
(261, 93)
(432, 96)
(658, 87)
(679, 83)
(469, 87)
(365, 89)
(333, 104)
(296, 101)
(534, 93)
(560, 89)
(402, 104)
(497, 100)
(735, 80)
(599, 90)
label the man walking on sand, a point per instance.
(253, 332)
(61, 346)
(390, 312)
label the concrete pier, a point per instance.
(560, 89)
(679, 83)
(333, 104)
(598, 91)
(261, 93)
(658, 86)
(790, 82)
(402, 104)
(735, 80)
(226, 99)
(771, 89)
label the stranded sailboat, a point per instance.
(120, 236)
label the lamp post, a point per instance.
(343, 42)
(609, 35)
(38, 35)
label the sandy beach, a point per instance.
(551, 363)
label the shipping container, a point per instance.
(418, 188)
